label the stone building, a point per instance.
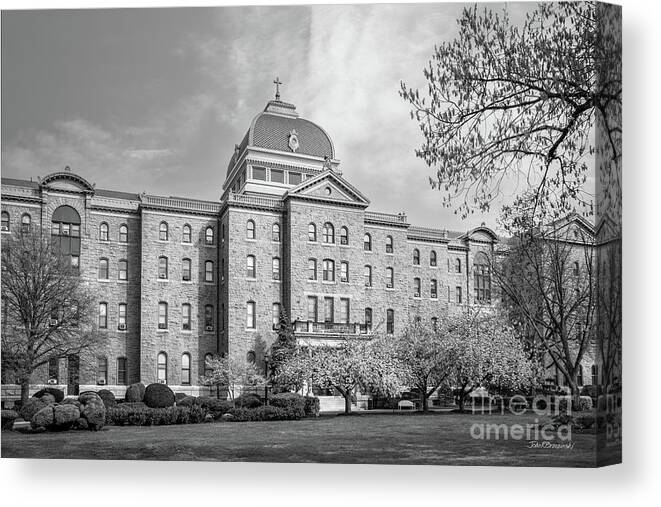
(182, 279)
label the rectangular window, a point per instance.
(162, 315)
(312, 269)
(185, 317)
(434, 289)
(312, 308)
(457, 294)
(103, 269)
(250, 266)
(390, 278)
(163, 268)
(276, 268)
(344, 272)
(121, 317)
(53, 369)
(329, 270)
(277, 176)
(344, 310)
(276, 315)
(390, 321)
(416, 287)
(185, 369)
(208, 318)
(103, 315)
(185, 270)
(208, 271)
(102, 371)
(259, 173)
(329, 310)
(295, 178)
(121, 371)
(250, 315)
(123, 270)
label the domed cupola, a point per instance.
(279, 151)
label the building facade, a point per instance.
(180, 280)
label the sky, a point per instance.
(154, 99)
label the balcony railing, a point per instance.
(255, 200)
(332, 328)
(178, 203)
(386, 218)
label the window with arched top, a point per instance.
(103, 232)
(389, 244)
(185, 369)
(457, 265)
(65, 234)
(123, 233)
(312, 232)
(367, 242)
(26, 222)
(162, 368)
(416, 287)
(251, 357)
(482, 278)
(250, 229)
(5, 221)
(163, 231)
(328, 233)
(186, 234)
(328, 270)
(344, 236)
(275, 233)
(208, 235)
(416, 256)
(432, 258)
(103, 268)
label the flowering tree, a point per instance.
(487, 353)
(426, 354)
(232, 373)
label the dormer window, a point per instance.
(277, 176)
(259, 173)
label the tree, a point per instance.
(232, 373)
(284, 346)
(345, 366)
(426, 355)
(505, 101)
(548, 279)
(487, 353)
(48, 310)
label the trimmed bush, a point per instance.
(248, 401)
(179, 396)
(137, 404)
(64, 416)
(42, 419)
(93, 410)
(214, 406)
(48, 398)
(58, 394)
(291, 402)
(71, 401)
(8, 418)
(266, 413)
(311, 406)
(135, 392)
(158, 396)
(188, 401)
(585, 403)
(31, 407)
(145, 416)
(108, 398)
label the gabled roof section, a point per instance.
(66, 180)
(331, 187)
(572, 222)
(481, 233)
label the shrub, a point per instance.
(179, 396)
(248, 401)
(214, 406)
(158, 396)
(31, 407)
(585, 403)
(291, 402)
(145, 416)
(136, 404)
(311, 408)
(266, 413)
(43, 419)
(58, 394)
(135, 392)
(64, 417)
(188, 401)
(107, 397)
(8, 418)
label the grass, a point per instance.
(434, 439)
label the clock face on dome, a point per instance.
(293, 140)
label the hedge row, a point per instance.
(133, 415)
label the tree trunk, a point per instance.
(347, 403)
(25, 389)
(424, 402)
(575, 391)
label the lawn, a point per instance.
(436, 439)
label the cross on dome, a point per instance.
(277, 84)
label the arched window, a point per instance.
(162, 268)
(65, 233)
(186, 234)
(390, 278)
(275, 233)
(250, 315)
(26, 222)
(250, 229)
(457, 265)
(208, 271)
(208, 235)
(276, 268)
(163, 231)
(103, 232)
(103, 315)
(162, 315)
(434, 289)
(185, 369)
(162, 368)
(416, 257)
(123, 233)
(328, 233)
(328, 269)
(432, 258)
(390, 321)
(344, 236)
(5, 221)
(367, 243)
(416, 287)
(250, 266)
(186, 317)
(389, 247)
(208, 318)
(312, 232)
(103, 269)
(368, 276)
(186, 270)
(102, 370)
(368, 320)
(208, 370)
(122, 269)
(482, 278)
(251, 357)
